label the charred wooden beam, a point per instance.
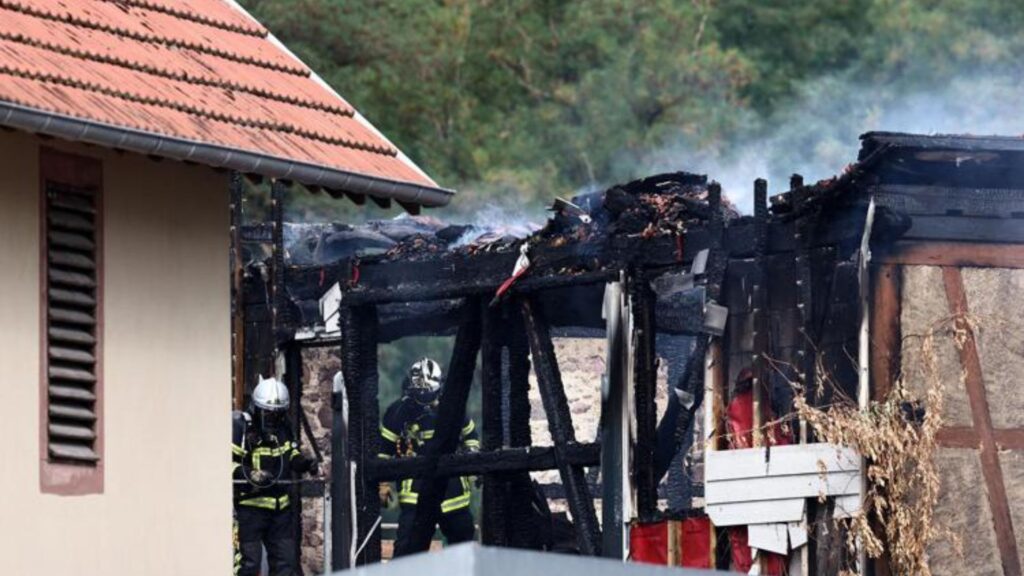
(459, 274)
(552, 392)
(359, 365)
(237, 298)
(492, 349)
(761, 319)
(293, 380)
(644, 380)
(502, 461)
(280, 298)
(451, 413)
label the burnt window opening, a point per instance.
(72, 322)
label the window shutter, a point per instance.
(72, 323)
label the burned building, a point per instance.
(821, 295)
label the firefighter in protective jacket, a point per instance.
(407, 425)
(263, 456)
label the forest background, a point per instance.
(512, 102)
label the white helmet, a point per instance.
(271, 395)
(424, 380)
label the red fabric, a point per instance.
(695, 543)
(740, 419)
(648, 543)
(771, 564)
(741, 561)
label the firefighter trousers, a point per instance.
(457, 526)
(258, 527)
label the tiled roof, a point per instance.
(193, 71)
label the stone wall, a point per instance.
(319, 366)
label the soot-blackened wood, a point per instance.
(519, 409)
(803, 286)
(293, 380)
(522, 529)
(280, 300)
(552, 392)
(451, 413)
(644, 380)
(503, 462)
(457, 274)
(762, 392)
(359, 365)
(237, 299)
(492, 348)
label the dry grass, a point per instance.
(902, 481)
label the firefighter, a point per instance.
(264, 455)
(407, 425)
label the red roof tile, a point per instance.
(199, 71)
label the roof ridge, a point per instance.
(196, 110)
(16, 6)
(184, 77)
(258, 32)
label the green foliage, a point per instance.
(526, 99)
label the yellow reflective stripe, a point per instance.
(471, 443)
(237, 450)
(268, 502)
(384, 456)
(388, 434)
(235, 466)
(454, 504)
(468, 429)
(427, 434)
(273, 452)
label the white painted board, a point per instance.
(847, 506)
(779, 461)
(743, 513)
(769, 537)
(782, 487)
(797, 534)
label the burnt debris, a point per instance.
(783, 279)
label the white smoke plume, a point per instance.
(818, 135)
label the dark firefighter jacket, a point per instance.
(405, 428)
(279, 456)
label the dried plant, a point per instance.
(902, 480)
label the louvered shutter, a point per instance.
(71, 323)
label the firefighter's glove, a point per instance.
(386, 496)
(260, 477)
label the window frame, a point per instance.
(62, 477)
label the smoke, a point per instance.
(498, 220)
(817, 136)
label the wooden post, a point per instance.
(359, 365)
(451, 413)
(492, 385)
(293, 381)
(644, 382)
(714, 369)
(549, 380)
(237, 294)
(279, 306)
(760, 309)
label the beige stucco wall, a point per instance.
(166, 506)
